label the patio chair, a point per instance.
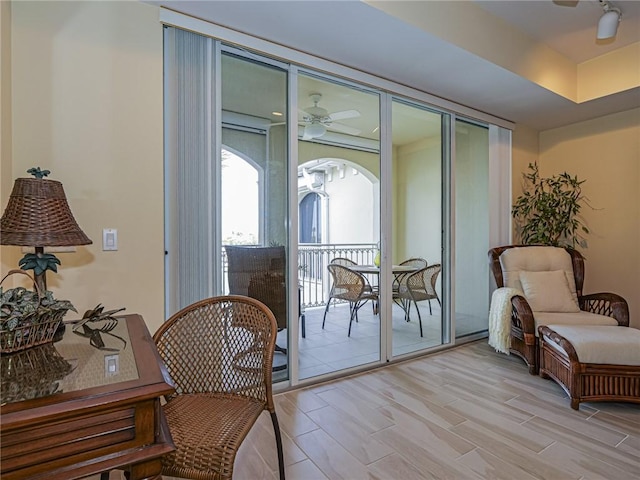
(419, 286)
(259, 272)
(346, 262)
(401, 279)
(219, 354)
(352, 287)
(548, 282)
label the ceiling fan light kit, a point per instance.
(314, 130)
(608, 23)
(317, 120)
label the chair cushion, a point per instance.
(548, 291)
(601, 344)
(536, 259)
(563, 318)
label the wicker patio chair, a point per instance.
(259, 272)
(219, 354)
(419, 286)
(402, 278)
(508, 263)
(352, 287)
(345, 262)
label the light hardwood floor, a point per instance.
(466, 413)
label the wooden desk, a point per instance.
(90, 419)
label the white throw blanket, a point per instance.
(500, 318)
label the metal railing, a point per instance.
(313, 277)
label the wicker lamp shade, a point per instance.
(38, 215)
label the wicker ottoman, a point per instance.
(592, 362)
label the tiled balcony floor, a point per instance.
(330, 349)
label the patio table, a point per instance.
(399, 272)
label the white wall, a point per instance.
(352, 207)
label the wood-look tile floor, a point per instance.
(466, 413)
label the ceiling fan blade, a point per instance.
(344, 114)
(340, 127)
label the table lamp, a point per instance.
(38, 215)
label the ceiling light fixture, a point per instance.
(315, 130)
(608, 24)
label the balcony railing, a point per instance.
(313, 277)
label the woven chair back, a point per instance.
(260, 273)
(346, 262)
(422, 284)
(415, 262)
(220, 345)
(347, 284)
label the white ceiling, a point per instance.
(568, 26)
(355, 34)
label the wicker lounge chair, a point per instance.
(509, 264)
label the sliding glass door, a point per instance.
(227, 178)
(472, 228)
(417, 206)
(383, 190)
(339, 218)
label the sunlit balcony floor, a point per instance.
(329, 350)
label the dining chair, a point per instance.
(219, 354)
(346, 262)
(398, 280)
(419, 286)
(352, 287)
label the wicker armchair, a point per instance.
(219, 354)
(419, 286)
(608, 308)
(352, 287)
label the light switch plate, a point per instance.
(109, 239)
(111, 365)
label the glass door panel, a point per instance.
(253, 189)
(339, 217)
(417, 161)
(471, 228)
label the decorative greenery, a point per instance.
(548, 211)
(36, 172)
(20, 307)
(39, 264)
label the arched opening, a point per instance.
(241, 196)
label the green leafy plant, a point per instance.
(20, 307)
(548, 211)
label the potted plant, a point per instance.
(28, 317)
(548, 211)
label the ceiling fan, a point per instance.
(317, 120)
